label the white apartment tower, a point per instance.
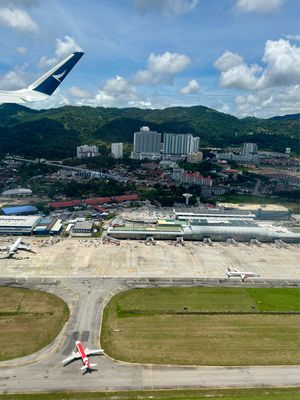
(146, 141)
(249, 149)
(86, 151)
(117, 150)
(177, 143)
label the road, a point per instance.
(43, 371)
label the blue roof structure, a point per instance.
(19, 210)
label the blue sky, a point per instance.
(238, 56)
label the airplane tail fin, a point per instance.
(47, 83)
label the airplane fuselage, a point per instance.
(83, 355)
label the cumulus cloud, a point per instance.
(64, 47)
(21, 49)
(292, 37)
(282, 62)
(192, 87)
(269, 102)
(17, 19)
(14, 79)
(274, 88)
(78, 92)
(167, 7)
(162, 68)
(117, 92)
(57, 99)
(259, 6)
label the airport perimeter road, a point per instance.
(43, 371)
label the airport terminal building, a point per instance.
(205, 224)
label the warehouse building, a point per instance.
(18, 225)
(19, 210)
(83, 228)
(21, 192)
(48, 226)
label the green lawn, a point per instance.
(29, 321)
(200, 394)
(161, 325)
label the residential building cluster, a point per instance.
(148, 144)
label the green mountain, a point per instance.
(55, 133)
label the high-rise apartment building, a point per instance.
(146, 144)
(86, 151)
(249, 149)
(117, 150)
(196, 144)
(177, 143)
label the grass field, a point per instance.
(29, 321)
(201, 394)
(202, 326)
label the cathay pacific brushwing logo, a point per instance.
(59, 76)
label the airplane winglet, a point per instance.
(47, 83)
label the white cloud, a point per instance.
(192, 87)
(21, 50)
(283, 64)
(223, 107)
(274, 89)
(292, 37)
(117, 92)
(57, 99)
(17, 19)
(269, 102)
(259, 6)
(228, 60)
(162, 68)
(78, 92)
(14, 79)
(167, 7)
(282, 67)
(64, 47)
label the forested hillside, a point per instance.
(55, 133)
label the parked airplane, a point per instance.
(17, 245)
(43, 87)
(83, 354)
(242, 274)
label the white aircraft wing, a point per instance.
(74, 356)
(89, 352)
(43, 87)
(234, 270)
(24, 247)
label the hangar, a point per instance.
(18, 225)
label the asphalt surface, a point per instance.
(43, 371)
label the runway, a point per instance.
(43, 371)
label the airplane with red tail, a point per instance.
(84, 355)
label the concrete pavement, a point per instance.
(43, 371)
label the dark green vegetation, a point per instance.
(195, 394)
(36, 133)
(206, 326)
(29, 321)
